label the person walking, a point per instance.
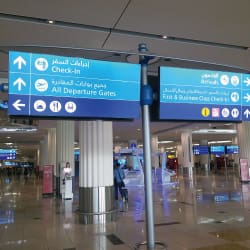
(118, 179)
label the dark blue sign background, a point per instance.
(232, 149)
(200, 150)
(48, 85)
(191, 94)
(217, 150)
(7, 154)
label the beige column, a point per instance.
(187, 151)
(43, 154)
(244, 140)
(65, 137)
(52, 150)
(204, 159)
(155, 151)
(179, 155)
(96, 195)
(236, 157)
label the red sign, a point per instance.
(48, 171)
(244, 170)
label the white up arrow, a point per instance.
(19, 82)
(247, 81)
(17, 104)
(247, 113)
(19, 61)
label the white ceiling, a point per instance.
(201, 34)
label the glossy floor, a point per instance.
(202, 212)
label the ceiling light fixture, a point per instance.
(17, 130)
(162, 142)
(219, 142)
(215, 131)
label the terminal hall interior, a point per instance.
(211, 201)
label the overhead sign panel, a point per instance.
(245, 97)
(7, 154)
(49, 85)
(191, 94)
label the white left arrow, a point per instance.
(19, 61)
(247, 113)
(247, 81)
(247, 97)
(19, 82)
(17, 104)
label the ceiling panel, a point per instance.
(35, 34)
(224, 21)
(183, 51)
(89, 12)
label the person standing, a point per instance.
(118, 179)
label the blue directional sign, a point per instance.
(245, 97)
(7, 154)
(49, 85)
(191, 94)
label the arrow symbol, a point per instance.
(19, 61)
(247, 97)
(19, 82)
(247, 81)
(247, 113)
(17, 104)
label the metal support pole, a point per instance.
(147, 152)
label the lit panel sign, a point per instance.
(200, 150)
(217, 150)
(191, 94)
(7, 154)
(56, 86)
(232, 149)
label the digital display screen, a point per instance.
(11, 164)
(218, 150)
(200, 150)
(221, 197)
(232, 149)
(7, 154)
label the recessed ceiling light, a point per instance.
(164, 142)
(215, 131)
(17, 129)
(219, 142)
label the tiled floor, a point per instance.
(206, 212)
